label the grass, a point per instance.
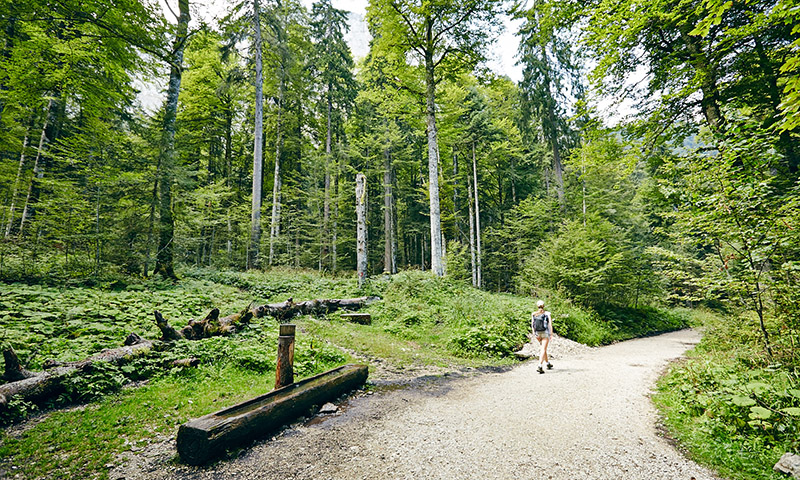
(80, 442)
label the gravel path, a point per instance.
(589, 418)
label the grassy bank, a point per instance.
(729, 405)
(420, 320)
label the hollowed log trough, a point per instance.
(207, 438)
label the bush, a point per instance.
(592, 264)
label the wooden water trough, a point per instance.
(206, 438)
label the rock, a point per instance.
(329, 408)
(788, 464)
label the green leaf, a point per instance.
(757, 387)
(794, 392)
(792, 411)
(743, 401)
(759, 413)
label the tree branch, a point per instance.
(405, 18)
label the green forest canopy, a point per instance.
(694, 199)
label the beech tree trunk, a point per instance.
(477, 220)
(710, 102)
(472, 232)
(164, 260)
(433, 155)
(258, 142)
(455, 194)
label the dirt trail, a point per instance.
(589, 418)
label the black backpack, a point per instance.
(540, 322)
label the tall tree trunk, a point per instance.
(558, 168)
(326, 210)
(151, 221)
(275, 220)
(455, 193)
(37, 171)
(389, 265)
(361, 230)
(15, 190)
(472, 232)
(513, 183)
(433, 155)
(335, 236)
(164, 258)
(583, 184)
(97, 232)
(228, 147)
(552, 134)
(228, 243)
(258, 142)
(477, 219)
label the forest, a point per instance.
(687, 198)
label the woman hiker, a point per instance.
(542, 326)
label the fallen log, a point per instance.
(206, 438)
(41, 386)
(288, 309)
(212, 325)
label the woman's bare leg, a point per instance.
(544, 342)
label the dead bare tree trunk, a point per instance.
(361, 229)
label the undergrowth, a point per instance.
(728, 405)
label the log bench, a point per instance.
(206, 438)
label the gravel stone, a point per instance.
(589, 418)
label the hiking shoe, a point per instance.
(540, 369)
(549, 366)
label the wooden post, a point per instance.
(284, 370)
(361, 232)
